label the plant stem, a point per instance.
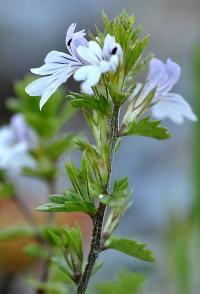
(96, 243)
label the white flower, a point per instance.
(166, 104)
(86, 59)
(15, 141)
(98, 61)
(58, 67)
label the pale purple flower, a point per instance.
(58, 67)
(15, 141)
(98, 61)
(165, 103)
(87, 61)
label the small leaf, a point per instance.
(147, 128)
(99, 103)
(35, 250)
(130, 247)
(58, 198)
(69, 206)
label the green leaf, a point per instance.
(119, 195)
(130, 247)
(58, 198)
(134, 53)
(126, 283)
(99, 103)
(36, 250)
(73, 174)
(107, 24)
(81, 179)
(69, 206)
(118, 97)
(147, 128)
(73, 240)
(99, 162)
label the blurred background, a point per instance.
(164, 175)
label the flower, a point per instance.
(98, 61)
(87, 61)
(58, 67)
(165, 104)
(15, 141)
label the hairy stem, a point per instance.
(96, 243)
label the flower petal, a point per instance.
(90, 74)
(59, 57)
(38, 87)
(111, 47)
(174, 107)
(48, 68)
(156, 70)
(81, 73)
(86, 88)
(164, 76)
(46, 86)
(91, 54)
(70, 32)
(173, 72)
(54, 83)
(94, 76)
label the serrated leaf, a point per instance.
(130, 247)
(99, 103)
(147, 128)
